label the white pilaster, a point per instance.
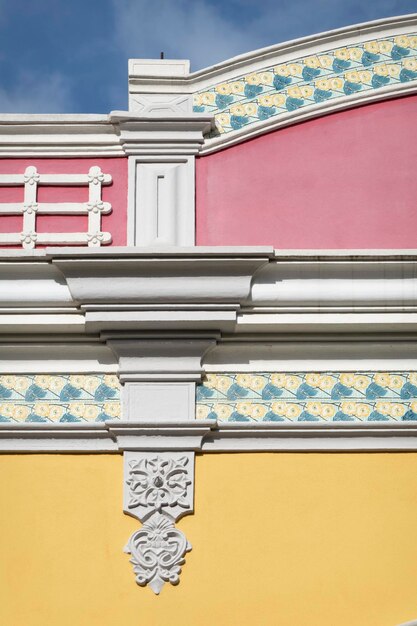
(161, 135)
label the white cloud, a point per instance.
(33, 93)
(288, 19)
(195, 30)
(209, 31)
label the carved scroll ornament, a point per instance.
(158, 490)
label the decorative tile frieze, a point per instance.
(309, 397)
(65, 398)
(307, 81)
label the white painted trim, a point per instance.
(52, 438)
(245, 292)
(312, 44)
(192, 252)
(160, 278)
(31, 324)
(161, 135)
(60, 208)
(167, 68)
(55, 357)
(60, 180)
(160, 435)
(161, 199)
(310, 353)
(208, 436)
(297, 437)
(23, 135)
(92, 239)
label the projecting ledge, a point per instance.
(208, 436)
(185, 435)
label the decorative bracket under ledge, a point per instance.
(158, 490)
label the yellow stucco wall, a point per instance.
(278, 539)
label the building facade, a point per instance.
(208, 313)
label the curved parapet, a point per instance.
(277, 86)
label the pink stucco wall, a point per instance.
(116, 194)
(346, 180)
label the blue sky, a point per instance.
(70, 56)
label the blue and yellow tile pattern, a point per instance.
(309, 397)
(65, 398)
(309, 80)
(276, 397)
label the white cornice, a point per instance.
(246, 291)
(59, 355)
(298, 437)
(120, 133)
(185, 435)
(161, 278)
(163, 134)
(58, 136)
(209, 436)
(257, 59)
(56, 438)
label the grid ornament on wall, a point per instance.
(29, 236)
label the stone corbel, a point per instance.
(158, 491)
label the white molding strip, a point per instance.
(27, 135)
(56, 438)
(245, 292)
(257, 59)
(208, 436)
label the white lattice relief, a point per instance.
(29, 237)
